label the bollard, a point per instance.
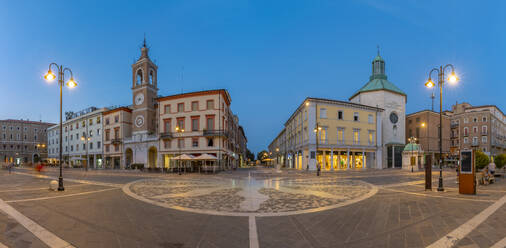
(53, 185)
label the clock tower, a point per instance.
(144, 93)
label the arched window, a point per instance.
(151, 76)
(138, 77)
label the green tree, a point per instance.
(500, 160)
(482, 160)
(250, 155)
(263, 154)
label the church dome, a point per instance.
(378, 79)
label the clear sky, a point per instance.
(270, 55)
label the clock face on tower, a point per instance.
(139, 121)
(139, 99)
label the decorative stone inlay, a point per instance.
(250, 196)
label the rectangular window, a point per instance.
(484, 119)
(484, 139)
(195, 106)
(166, 109)
(116, 148)
(370, 119)
(417, 132)
(116, 133)
(98, 144)
(371, 137)
(210, 104)
(210, 142)
(475, 140)
(340, 135)
(98, 132)
(107, 148)
(84, 146)
(323, 113)
(355, 116)
(180, 123)
(180, 143)
(166, 143)
(475, 129)
(90, 122)
(91, 145)
(466, 131)
(195, 142)
(180, 107)
(210, 122)
(77, 147)
(116, 119)
(107, 121)
(466, 120)
(195, 123)
(72, 148)
(356, 136)
(323, 135)
(83, 124)
(166, 125)
(107, 135)
(484, 130)
(98, 120)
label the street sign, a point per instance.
(467, 176)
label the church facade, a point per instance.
(368, 131)
(381, 93)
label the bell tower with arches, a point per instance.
(144, 93)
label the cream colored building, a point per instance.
(199, 123)
(117, 126)
(81, 141)
(338, 135)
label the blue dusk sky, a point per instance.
(270, 55)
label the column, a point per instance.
(363, 159)
(94, 161)
(348, 158)
(331, 159)
(296, 160)
(324, 161)
(393, 156)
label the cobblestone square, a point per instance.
(247, 208)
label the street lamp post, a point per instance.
(71, 84)
(441, 80)
(317, 131)
(85, 138)
(179, 130)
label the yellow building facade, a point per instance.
(335, 135)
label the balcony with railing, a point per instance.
(454, 125)
(116, 141)
(166, 135)
(216, 133)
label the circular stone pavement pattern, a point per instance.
(249, 196)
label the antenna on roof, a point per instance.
(378, 47)
(144, 43)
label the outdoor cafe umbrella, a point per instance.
(206, 157)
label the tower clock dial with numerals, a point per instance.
(139, 99)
